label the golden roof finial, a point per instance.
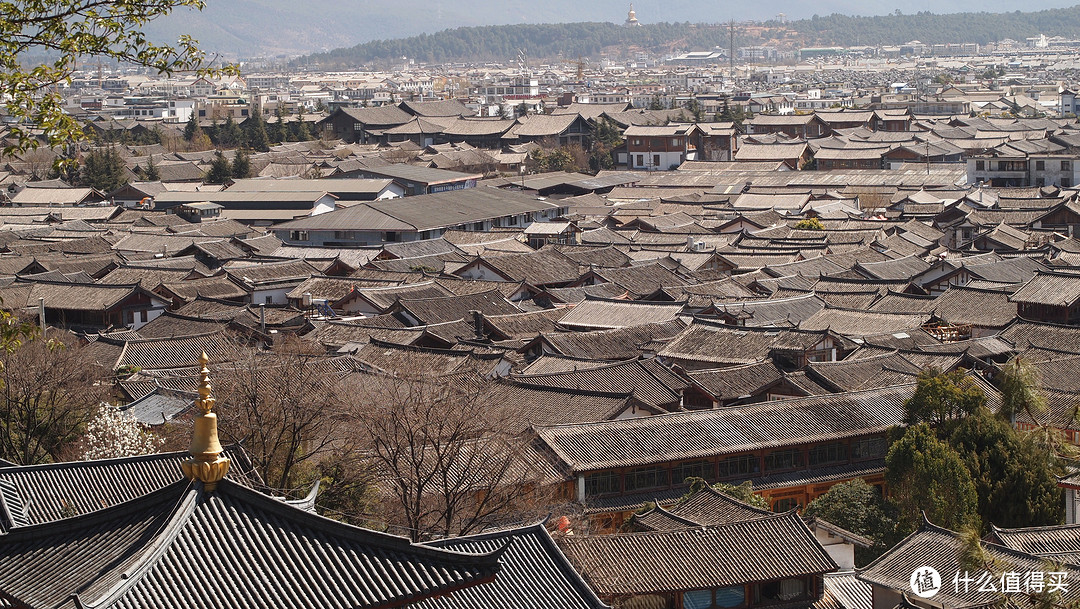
(206, 463)
(205, 403)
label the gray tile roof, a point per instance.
(603, 313)
(1058, 543)
(37, 494)
(851, 322)
(690, 435)
(439, 309)
(141, 553)
(612, 345)
(424, 212)
(940, 548)
(773, 312)
(534, 574)
(647, 380)
(734, 382)
(763, 549)
(1053, 289)
(847, 591)
(710, 345)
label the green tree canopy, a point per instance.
(257, 138)
(1019, 385)
(810, 224)
(926, 475)
(70, 31)
(229, 134)
(241, 165)
(858, 507)
(300, 130)
(277, 131)
(103, 169)
(151, 173)
(191, 128)
(1013, 475)
(942, 397)
(606, 138)
(220, 171)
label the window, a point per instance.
(1040, 165)
(1066, 182)
(637, 141)
(697, 599)
(783, 591)
(656, 160)
(784, 459)
(298, 235)
(391, 236)
(868, 448)
(980, 165)
(785, 504)
(602, 483)
(1066, 165)
(243, 112)
(742, 465)
(716, 598)
(142, 316)
(676, 142)
(268, 299)
(646, 477)
(835, 452)
(640, 160)
(358, 127)
(342, 235)
(692, 469)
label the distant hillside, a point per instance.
(570, 40)
(894, 29)
(542, 41)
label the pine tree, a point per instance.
(220, 172)
(300, 127)
(229, 135)
(151, 172)
(103, 169)
(191, 127)
(277, 131)
(257, 137)
(241, 165)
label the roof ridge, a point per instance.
(781, 404)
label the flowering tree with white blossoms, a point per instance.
(113, 433)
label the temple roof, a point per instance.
(183, 547)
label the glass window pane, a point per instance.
(697, 599)
(730, 597)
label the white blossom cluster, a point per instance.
(112, 433)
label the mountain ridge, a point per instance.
(247, 28)
(572, 40)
